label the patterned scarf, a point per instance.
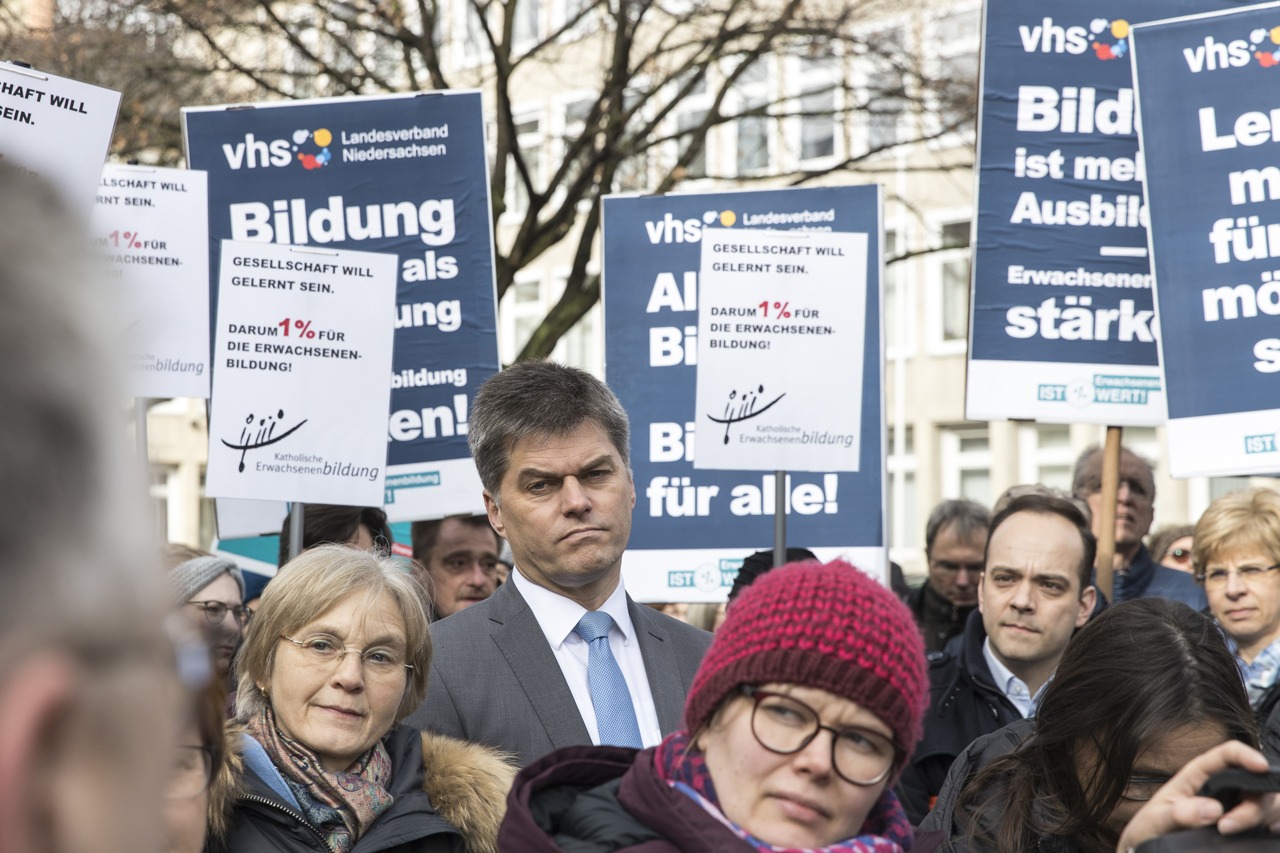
(886, 829)
(341, 805)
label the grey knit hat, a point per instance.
(194, 575)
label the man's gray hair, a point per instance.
(969, 518)
(539, 399)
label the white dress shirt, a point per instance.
(557, 617)
(1013, 687)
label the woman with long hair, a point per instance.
(1141, 691)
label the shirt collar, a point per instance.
(1005, 680)
(557, 615)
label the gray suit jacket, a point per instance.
(494, 680)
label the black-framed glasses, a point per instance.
(1139, 789)
(785, 725)
(216, 611)
(321, 650)
(191, 773)
(1216, 578)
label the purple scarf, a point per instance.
(886, 829)
(342, 805)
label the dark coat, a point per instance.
(1145, 578)
(968, 764)
(964, 705)
(262, 822)
(938, 619)
(1267, 713)
(601, 799)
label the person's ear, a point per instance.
(495, 513)
(34, 696)
(1088, 599)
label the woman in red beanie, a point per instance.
(805, 709)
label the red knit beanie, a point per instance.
(831, 627)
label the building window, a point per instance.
(525, 29)
(819, 79)
(953, 37)
(1045, 455)
(966, 464)
(885, 90)
(952, 270)
(898, 304)
(904, 518)
(529, 142)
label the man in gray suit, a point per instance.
(552, 445)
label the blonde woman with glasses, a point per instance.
(1236, 555)
(337, 655)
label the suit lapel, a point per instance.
(518, 636)
(660, 666)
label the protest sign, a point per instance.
(57, 128)
(151, 225)
(771, 303)
(691, 528)
(404, 174)
(1062, 325)
(302, 355)
(1209, 88)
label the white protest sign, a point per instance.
(153, 227)
(57, 128)
(302, 357)
(781, 316)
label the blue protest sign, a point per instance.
(1209, 86)
(1062, 326)
(402, 174)
(691, 529)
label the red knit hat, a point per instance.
(831, 627)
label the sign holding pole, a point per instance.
(303, 349)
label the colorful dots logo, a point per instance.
(321, 139)
(725, 219)
(1264, 45)
(1110, 38)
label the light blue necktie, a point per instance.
(615, 715)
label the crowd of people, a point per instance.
(503, 692)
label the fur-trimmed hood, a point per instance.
(468, 785)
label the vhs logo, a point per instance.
(1104, 37)
(308, 147)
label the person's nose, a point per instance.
(1235, 585)
(966, 577)
(815, 758)
(349, 674)
(476, 575)
(1023, 597)
(574, 499)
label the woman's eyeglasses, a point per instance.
(785, 725)
(216, 611)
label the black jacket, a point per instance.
(263, 823)
(977, 756)
(964, 705)
(938, 619)
(1267, 713)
